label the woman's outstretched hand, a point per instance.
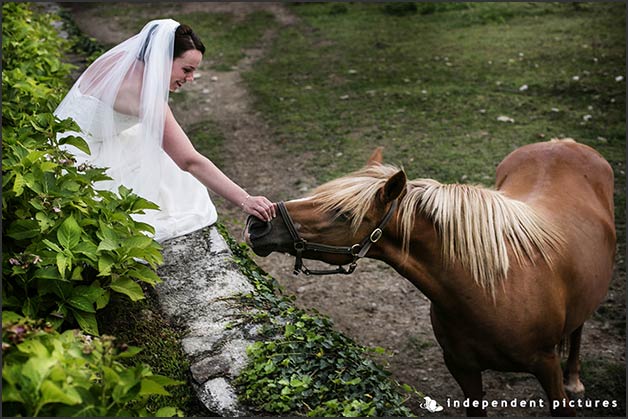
(260, 207)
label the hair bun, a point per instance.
(185, 39)
(184, 30)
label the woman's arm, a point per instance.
(180, 149)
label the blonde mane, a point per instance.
(475, 224)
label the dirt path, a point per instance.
(375, 306)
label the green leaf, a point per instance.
(9, 317)
(150, 387)
(128, 287)
(52, 245)
(77, 142)
(48, 166)
(45, 222)
(49, 272)
(34, 348)
(88, 249)
(142, 204)
(103, 300)
(107, 244)
(105, 262)
(62, 263)
(145, 274)
(77, 274)
(9, 392)
(82, 303)
(130, 352)
(86, 321)
(69, 233)
(23, 229)
(139, 241)
(29, 308)
(35, 370)
(166, 412)
(51, 393)
(18, 185)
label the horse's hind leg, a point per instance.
(573, 385)
(547, 370)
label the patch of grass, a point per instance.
(208, 140)
(225, 37)
(430, 87)
(604, 380)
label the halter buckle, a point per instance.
(376, 235)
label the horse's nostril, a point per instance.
(258, 228)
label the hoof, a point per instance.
(574, 388)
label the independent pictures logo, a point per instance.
(430, 405)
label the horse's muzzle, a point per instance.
(256, 230)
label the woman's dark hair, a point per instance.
(185, 39)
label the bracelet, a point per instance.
(245, 199)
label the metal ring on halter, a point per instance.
(376, 235)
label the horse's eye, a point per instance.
(340, 215)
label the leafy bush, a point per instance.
(45, 373)
(66, 246)
(304, 366)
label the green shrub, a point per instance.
(45, 373)
(66, 246)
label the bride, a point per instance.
(121, 106)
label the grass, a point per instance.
(430, 87)
(224, 35)
(605, 380)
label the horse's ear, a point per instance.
(376, 157)
(394, 187)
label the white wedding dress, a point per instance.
(184, 202)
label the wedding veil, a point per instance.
(126, 88)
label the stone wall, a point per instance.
(199, 279)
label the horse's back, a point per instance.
(572, 185)
(559, 170)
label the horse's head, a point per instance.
(338, 222)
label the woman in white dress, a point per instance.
(121, 105)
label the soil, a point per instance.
(375, 306)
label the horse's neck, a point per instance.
(423, 265)
(444, 284)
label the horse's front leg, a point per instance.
(470, 381)
(547, 370)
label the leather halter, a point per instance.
(357, 251)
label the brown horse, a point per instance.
(511, 273)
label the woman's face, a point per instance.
(183, 68)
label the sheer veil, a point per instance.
(120, 103)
